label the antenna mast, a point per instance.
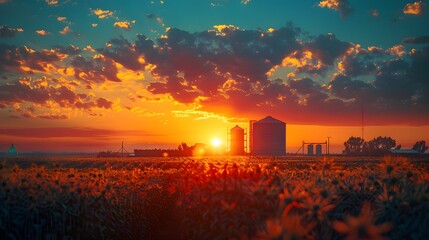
(362, 123)
(122, 149)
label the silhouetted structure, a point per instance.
(310, 149)
(268, 137)
(318, 149)
(12, 151)
(237, 141)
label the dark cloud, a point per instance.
(341, 6)
(360, 61)
(328, 48)
(8, 32)
(40, 92)
(417, 40)
(122, 51)
(25, 60)
(150, 15)
(207, 59)
(360, 92)
(96, 69)
(69, 50)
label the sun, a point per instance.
(216, 142)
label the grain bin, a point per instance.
(318, 149)
(310, 149)
(268, 137)
(237, 141)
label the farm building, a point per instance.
(268, 137)
(237, 141)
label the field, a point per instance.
(214, 198)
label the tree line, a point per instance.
(377, 146)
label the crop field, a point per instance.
(214, 198)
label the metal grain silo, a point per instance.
(268, 137)
(318, 149)
(237, 140)
(310, 149)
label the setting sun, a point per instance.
(216, 142)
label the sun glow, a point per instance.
(216, 142)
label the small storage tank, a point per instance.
(318, 149)
(310, 149)
(237, 141)
(268, 137)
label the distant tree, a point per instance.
(353, 146)
(379, 145)
(420, 146)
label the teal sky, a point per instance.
(387, 29)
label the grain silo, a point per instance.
(237, 141)
(268, 137)
(310, 149)
(318, 149)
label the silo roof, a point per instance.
(269, 119)
(236, 127)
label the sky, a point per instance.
(79, 76)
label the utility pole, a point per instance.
(362, 123)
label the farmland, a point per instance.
(214, 198)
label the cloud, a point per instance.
(227, 69)
(397, 50)
(342, 6)
(50, 116)
(8, 32)
(26, 60)
(102, 14)
(51, 2)
(124, 24)
(69, 50)
(65, 30)
(356, 64)
(327, 48)
(96, 69)
(47, 94)
(417, 40)
(123, 52)
(61, 19)
(42, 32)
(69, 132)
(416, 8)
(94, 24)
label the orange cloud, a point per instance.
(397, 50)
(338, 5)
(65, 30)
(94, 24)
(61, 19)
(416, 8)
(123, 24)
(52, 2)
(42, 32)
(102, 13)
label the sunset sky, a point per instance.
(85, 75)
